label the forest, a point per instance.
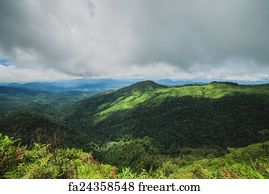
(144, 130)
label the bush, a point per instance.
(138, 154)
(42, 162)
(10, 155)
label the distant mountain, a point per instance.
(74, 85)
(15, 90)
(169, 82)
(222, 114)
(14, 98)
(90, 84)
(142, 86)
(106, 84)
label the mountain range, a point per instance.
(105, 84)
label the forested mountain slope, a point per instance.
(215, 114)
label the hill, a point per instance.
(73, 85)
(31, 127)
(16, 91)
(42, 101)
(218, 113)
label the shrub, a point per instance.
(138, 154)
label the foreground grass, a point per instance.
(249, 162)
(42, 162)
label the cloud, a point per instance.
(63, 35)
(185, 32)
(14, 74)
(193, 39)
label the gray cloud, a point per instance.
(188, 32)
(138, 38)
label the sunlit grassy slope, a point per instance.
(248, 162)
(159, 93)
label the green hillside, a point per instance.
(222, 114)
(249, 162)
(42, 101)
(34, 115)
(33, 127)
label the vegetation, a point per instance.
(145, 130)
(43, 162)
(226, 115)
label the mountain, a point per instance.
(16, 91)
(169, 82)
(219, 113)
(74, 85)
(143, 130)
(106, 84)
(142, 86)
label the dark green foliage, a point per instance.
(33, 127)
(192, 122)
(227, 83)
(138, 154)
(249, 162)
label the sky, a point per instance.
(151, 39)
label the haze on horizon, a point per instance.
(153, 39)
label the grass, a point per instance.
(158, 95)
(249, 162)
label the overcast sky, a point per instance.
(152, 39)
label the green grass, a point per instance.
(249, 162)
(159, 94)
(122, 103)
